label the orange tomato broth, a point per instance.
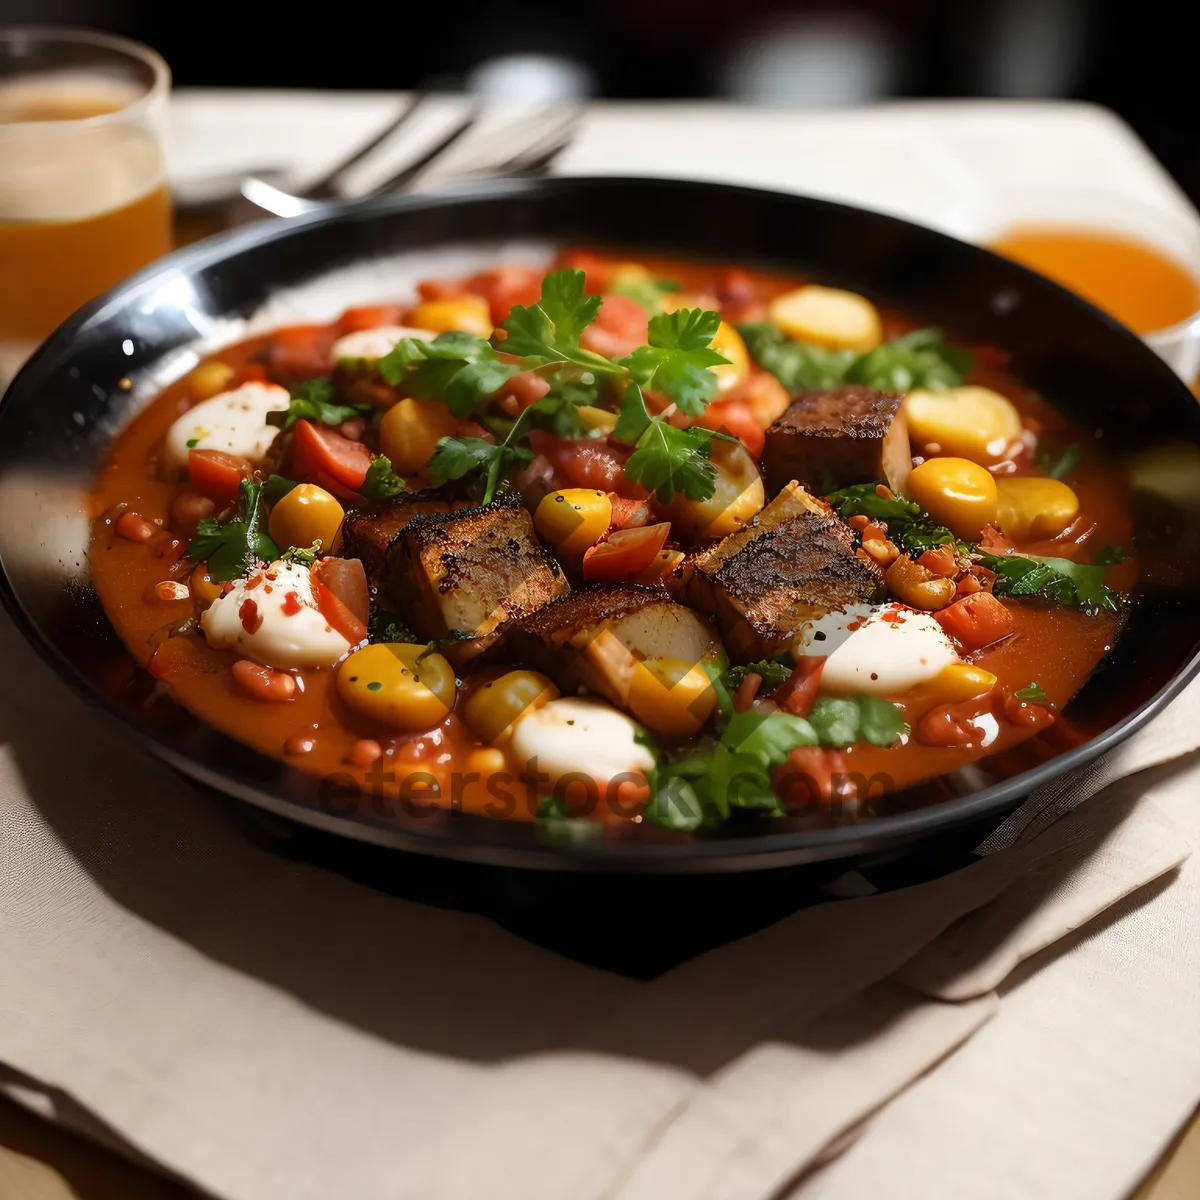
(1131, 280)
(1057, 648)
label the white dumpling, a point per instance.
(235, 422)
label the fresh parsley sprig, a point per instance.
(677, 357)
(912, 529)
(665, 460)
(1058, 580)
(381, 482)
(232, 548)
(315, 400)
(459, 369)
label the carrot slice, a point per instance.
(340, 586)
(217, 475)
(976, 621)
(320, 453)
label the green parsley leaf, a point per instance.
(457, 368)
(675, 805)
(275, 488)
(670, 461)
(549, 330)
(384, 626)
(774, 672)
(192, 443)
(459, 456)
(231, 548)
(844, 720)
(1061, 467)
(912, 529)
(647, 291)
(1033, 694)
(677, 356)
(920, 359)
(1110, 556)
(314, 400)
(304, 556)
(634, 417)
(796, 365)
(381, 482)
(1057, 580)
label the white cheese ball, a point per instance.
(235, 422)
(573, 735)
(370, 345)
(889, 654)
(271, 616)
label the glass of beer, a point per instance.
(83, 192)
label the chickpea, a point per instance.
(573, 519)
(1032, 508)
(410, 431)
(919, 587)
(738, 497)
(957, 492)
(263, 683)
(298, 745)
(211, 379)
(135, 528)
(364, 752)
(307, 515)
(470, 314)
(493, 709)
(167, 592)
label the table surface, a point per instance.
(964, 151)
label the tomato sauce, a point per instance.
(1055, 648)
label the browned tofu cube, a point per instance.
(595, 639)
(831, 439)
(467, 574)
(796, 563)
(366, 534)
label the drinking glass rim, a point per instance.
(158, 88)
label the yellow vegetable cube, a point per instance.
(573, 519)
(827, 316)
(398, 685)
(728, 343)
(468, 314)
(957, 492)
(410, 431)
(1031, 508)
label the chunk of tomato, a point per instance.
(340, 586)
(300, 351)
(619, 328)
(368, 316)
(586, 463)
(976, 620)
(625, 554)
(736, 418)
(217, 475)
(322, 455)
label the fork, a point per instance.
(536, 151)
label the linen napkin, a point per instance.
(266, 1029)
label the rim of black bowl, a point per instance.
(472, 838)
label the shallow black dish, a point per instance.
(59, 414)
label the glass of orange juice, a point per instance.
(83, 192)
(1138, 261)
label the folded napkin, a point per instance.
(268, 1029)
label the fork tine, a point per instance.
(324, 188)
(407, 174)
(538, 158)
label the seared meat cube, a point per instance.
(595, 639)
(467, 574)
(831, 439)
(764, 583)
(367, 534)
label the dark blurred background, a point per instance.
(1132, 55)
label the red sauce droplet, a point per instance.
(291, 604)
(250, 617)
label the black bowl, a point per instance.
(59, 415)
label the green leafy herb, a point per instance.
(646, 290)
(1034, 694)
(231, 548)
(192, 443)
(677, 358)
(314, 400)
(912, 529)
(549, 330)
(921, 358)
(1061, 467)
(774, 672)
(457, 368)
(844, 720)
(304, 556)
(384, 626)
(1110, 556)
(1058, 580)
(666, 460)
(381, 482)
(275, 488)
(459, 456)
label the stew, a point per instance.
(615, 540)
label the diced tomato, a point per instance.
(250, 372)
(736, 286)
(976, 621)
(217, 475)
(503, 287)
(526, 388)
(586, 463)
(340, 586)
(735, 417)
(299, 351)
(368, 317)
(993, 541)
(320, 454)
(597, 272)
(813, 776)
(939, 560)
(628, 514)
(797, 693)
(619, 328)
(625, 555)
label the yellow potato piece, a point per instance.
(468, 314)
(967, 422)
(398, 685)
(494, 708)
(962, 681)
(728, 343)
(573, 519)
(957, 492)
(736, 501)
(306, 515)
(410, 431)
(827, 316)
(672, 697)
(1031, 508)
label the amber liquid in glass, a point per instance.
(80, 208)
